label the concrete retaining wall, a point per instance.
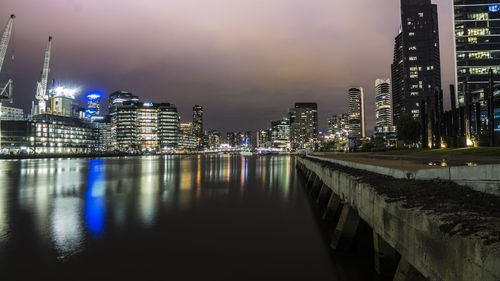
(483, 178)
(414, 234)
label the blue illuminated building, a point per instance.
(93, 103)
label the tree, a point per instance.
(328, 145)
(408, 129)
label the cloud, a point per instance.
(249, 58)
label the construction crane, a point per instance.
(41, 87)
(6, 90)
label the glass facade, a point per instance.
(338, 125)
(303, 125)
(356, 113)
(383, 104)
(147, 126)
(168, 126)
(477, 40)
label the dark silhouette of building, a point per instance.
(416, 71)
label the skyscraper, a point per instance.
(198, 124)
(383, 107)
(338, 125)
(280, 134)
(168, 126)
(123, 110)
(477, 46)
(303, 125)
(356, 113)
(416, 67)
(147, 126)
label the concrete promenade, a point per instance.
(427, 230)
(481, 177)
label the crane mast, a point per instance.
(4, 42)
(41, 89)
(6, 89)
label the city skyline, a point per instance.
(255, 71)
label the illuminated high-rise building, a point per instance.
(168, 126)
(214, 139)
(187, 138)
(383, 107)
(147, 127)
(477, 46)
(198, 124)
(416, 67)
(338, 125)
(93, 103)
(123, 111)
(303, 125)
(280, 134)
(357, 126)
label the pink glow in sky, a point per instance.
(245, 61)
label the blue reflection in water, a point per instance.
(94, 198)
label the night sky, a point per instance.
(245, 61)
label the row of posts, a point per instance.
(454, 128)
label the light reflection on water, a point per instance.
(71, 200)
(73, 209)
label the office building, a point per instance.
(477, 28)
(123, 111)
(383, 108)
(263, 139)
(147, 126)
(356, 120)
(338, 125)
(214, 139)
(303, 126)
(280, 134)
(168, 126)
(187, 139)
(104, 139)
(198, 124)
(416, 68)
(11, 113)
(48, 134)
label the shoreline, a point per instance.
(106, 155)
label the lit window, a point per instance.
(412, 58)
(412, 48)
(411, 34)
(478, 31)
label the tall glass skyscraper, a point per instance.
(356, 113)
(477, 43)
(383, 104)
(303, 125)
(198, 124)
(416, 67)
(477, 51)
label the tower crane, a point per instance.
(41, 87)
(6, 90)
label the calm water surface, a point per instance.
(158, 218)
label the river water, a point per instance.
(214, 217)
